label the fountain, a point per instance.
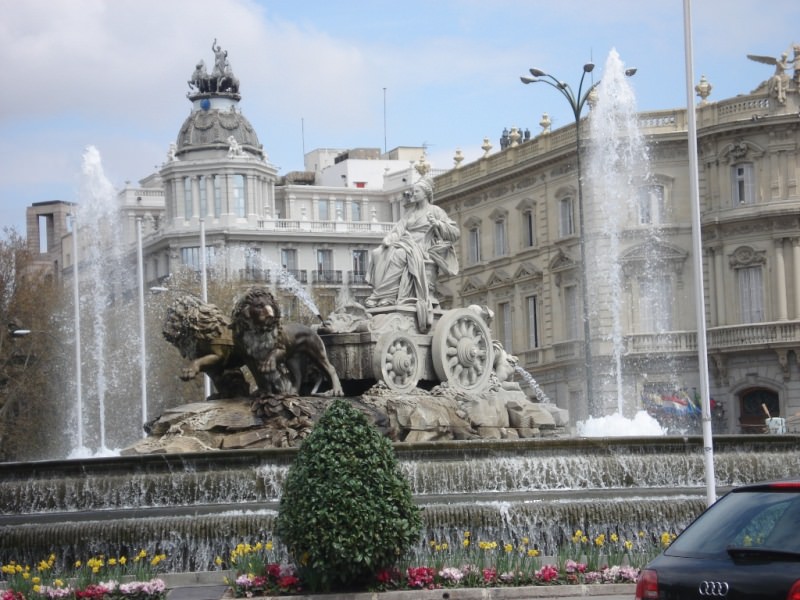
(480, 454)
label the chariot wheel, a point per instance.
(462, 350)
(395, 361)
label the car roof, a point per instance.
(785, 485)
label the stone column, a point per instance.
(719, 285)
(780, 281)
(180, 200)
(209, 183)
(796, 275)
(712, 285)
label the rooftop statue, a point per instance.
(779, 82)
(221, 81)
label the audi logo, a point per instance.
(713, 589)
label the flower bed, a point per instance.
(98, 578)
(603, 559)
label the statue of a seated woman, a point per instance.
(403, 268)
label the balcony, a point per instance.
(732, 338)
(357, 277)
(326, 277)
(300, 275)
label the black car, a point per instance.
(744, 546)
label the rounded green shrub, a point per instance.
(346, 510)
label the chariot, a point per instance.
(389, 347)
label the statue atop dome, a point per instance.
(221, 82)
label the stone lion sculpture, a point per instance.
(202, 334)
(277, 354)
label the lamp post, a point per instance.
(576, 102)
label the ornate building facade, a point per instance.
(520, 256)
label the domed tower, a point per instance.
(217, 170)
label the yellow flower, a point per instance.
(628, 545)
(533, 552)
(600, 540)
(37, 588)
(641, 534)
(465, 543)
(268, 546)
(112, 561)
(36, 580)
(614, 538)
(432, 543)
(578, 534)
(524, 541)
(584, 539)
(218, 561)
(445, 546)
(508, 548)
(466, 534)
(58, 583)
(78, 564)
(26, 575)
(122, 560)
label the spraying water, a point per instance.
(102, 276)
(618, 171)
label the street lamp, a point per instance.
(576, 103)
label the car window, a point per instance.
(762, 519)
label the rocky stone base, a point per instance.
(284, 421)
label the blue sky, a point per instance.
(112, 73)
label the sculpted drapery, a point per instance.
(397, 271)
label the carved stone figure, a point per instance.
(202, 334)
(404, 267)
(277, 354)
(779, 82)
(199, 77)
(234, 148)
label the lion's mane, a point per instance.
(192, 325)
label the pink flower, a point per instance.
(547, 574)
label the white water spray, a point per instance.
(618, 170)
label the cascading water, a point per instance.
(617, 173)
(198, 506)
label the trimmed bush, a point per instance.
(346, 511)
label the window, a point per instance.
(529, 228)
(190, 256)
(571, 313)
(339, 210)
(751, 294)
(252, 263)
(359, 266)
(239, 200)
(289, 259)
(504, 324)
(355, 209)
(533, 321)
(655, 304)
(217, 197)
(201, 184)
(500, 237)
(743, 184)
(651, 205)
(187, 198)
(323, 210)
(566, 217)
(474, 242)
(324, 260)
